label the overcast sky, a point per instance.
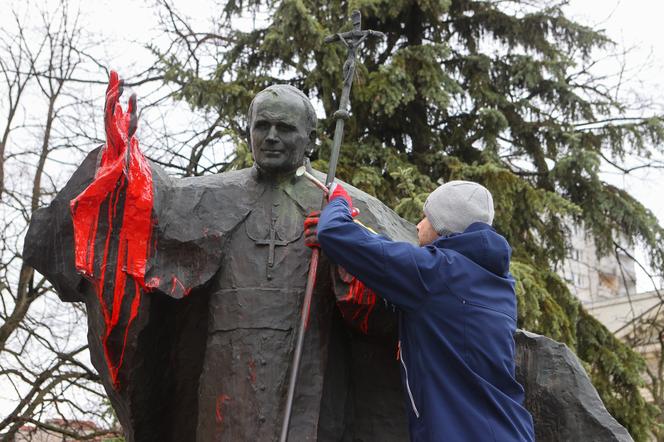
(635, 25)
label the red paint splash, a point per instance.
(176, 284)
(219, 414)
(358, 304)
(122, 178)
(154, 282)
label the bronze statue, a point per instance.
(200, 345)
(194, 288)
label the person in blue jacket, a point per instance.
(457, 311)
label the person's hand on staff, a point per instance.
(311, 221)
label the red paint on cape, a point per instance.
(358, 304)
(219, 413)
(124, 179)
(175, 284)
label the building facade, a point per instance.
(595, 279)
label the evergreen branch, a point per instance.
(626, 171)
(598, 123)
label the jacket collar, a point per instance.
(481, 244)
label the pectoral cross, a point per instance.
(272, 241)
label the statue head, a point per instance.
(282, 128)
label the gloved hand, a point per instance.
(311, 229)
(338, 191)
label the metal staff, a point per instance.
(352, 39)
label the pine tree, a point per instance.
(493, 91)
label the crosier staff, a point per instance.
(352, 40)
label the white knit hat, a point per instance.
(455, 205)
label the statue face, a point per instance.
(279, 133)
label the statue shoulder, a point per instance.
(216, 201)
(193, 225)
(217, 180)
(376, 215)
(220, 190)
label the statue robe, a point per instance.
(201, 350)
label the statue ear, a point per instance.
(311, 146)
(247, 134)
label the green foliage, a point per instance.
(496, 92)
(544, 304)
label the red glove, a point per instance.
(358, 303)
(338, 191)
(311, 229)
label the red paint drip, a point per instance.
(358, 304)
(175, 284)
(154, 282)
(123, 171)
(221, 400)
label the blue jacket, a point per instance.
(457, 318)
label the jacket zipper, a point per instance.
(410, 394)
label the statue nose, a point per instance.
(272, 135)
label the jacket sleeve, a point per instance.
(399, 272)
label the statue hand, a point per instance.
(120, 126)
